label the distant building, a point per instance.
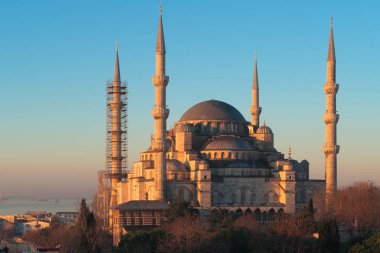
(66, 217)
(29, 226)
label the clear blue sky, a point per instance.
(55, 57)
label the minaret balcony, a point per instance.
(334, 149)
(331, 118)
(159, 80)
(160, 113)
(331, 88)
(255, 110)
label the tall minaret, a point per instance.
(160, 114)
(331, 149)
(255, 108)
(116, 156)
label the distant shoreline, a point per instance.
(21, 205)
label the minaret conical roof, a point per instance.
(331, 53)
(255, 75)
(116, 75)
(160, 46)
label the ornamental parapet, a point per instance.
(331, 149)
(330, 118)
(331, 88)
(160, 113)
(159, 80)
(159, 146)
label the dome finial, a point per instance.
(290, 152)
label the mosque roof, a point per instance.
(212, 110)
(142, 205)
(264, 130)
(227, 143)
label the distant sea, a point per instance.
(21, 205)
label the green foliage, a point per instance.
(220, 219)
(140, 242)
(329, 237)
(179, 208)
(370, 245)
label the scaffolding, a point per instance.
(105, 176)
(121, 174)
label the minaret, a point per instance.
(255, 108)
(331, 149)
(160, 114)
(116, 156)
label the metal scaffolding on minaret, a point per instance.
(331, 117)
(116, 145)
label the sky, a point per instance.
(56, 56)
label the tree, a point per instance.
(329, 237)
(358, 207)
(372, 244)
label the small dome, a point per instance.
(175, 165)
(212, 110)
(264, 130)
(184, 128)
(227, 143)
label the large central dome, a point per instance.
(212, 110)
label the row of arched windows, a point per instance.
(226, 155)
(219, 127)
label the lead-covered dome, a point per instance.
(212, 110)
(264, 130)
(227, 143)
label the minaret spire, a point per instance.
(255, 107)
(331, 149)
(331, 53)
(160, 114)
(160, 46)
(116, 75)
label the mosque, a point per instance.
(212, 158)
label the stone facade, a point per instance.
(214, 158)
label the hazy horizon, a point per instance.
(57, 56)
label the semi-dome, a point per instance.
(212, 110)
(227, 143)
(264, 130)
(184, 128)
(175, 165)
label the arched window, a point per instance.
(275, 198)
(271, 214)
(239, 213)
(151, 157)
(243, 194)
(222, 155)
(229, 155)
(209, 156)
(252, 198)
(215, 155)
(236, 155)
(233, 198)
(181, 194)
(257, 214)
